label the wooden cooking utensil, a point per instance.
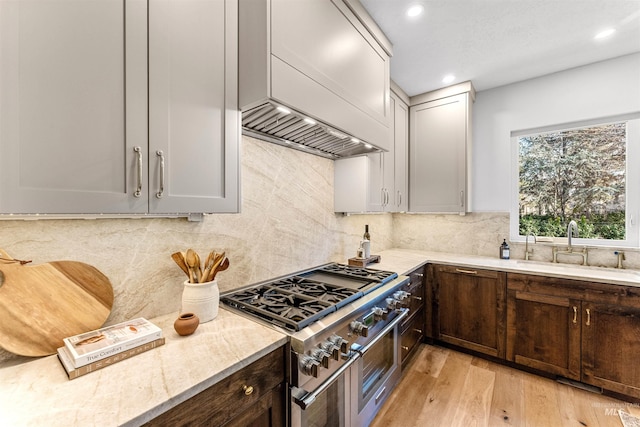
(216, 265)
(178, 257)
(192, 263)
(222, 267)
(208, 265)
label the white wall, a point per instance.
(598, 90)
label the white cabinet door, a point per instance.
(351, 184)
(193, 117)
(377, 200)
(68, 127)
(399, 192)
(438, 146)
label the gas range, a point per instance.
(343, 323)
(326, 311)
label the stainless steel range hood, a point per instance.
(282, 125)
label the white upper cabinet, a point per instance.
(399, 189)
(89, 113)
(440, 150)
(377, 182)
(194, 122)
(317, 57)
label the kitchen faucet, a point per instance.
(572, 227)
(572, 231)
(526, 246)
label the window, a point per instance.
(584, 172)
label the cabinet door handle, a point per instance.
(160, 192)
(418, 331)
(247, 390)
(458, 270)
(588, 317)
(417, 298)
(575, 314)
(138, 191)
(399, 198)
(462, 199)
(405, 348)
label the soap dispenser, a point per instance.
(504, 250)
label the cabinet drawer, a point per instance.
(411, 336)
(223, 401)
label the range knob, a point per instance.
(379, 313)
(309, 366)
(402, 297)
(340, 342)
(359, 328)
(393, 304)
(321, 356)
(331, 348)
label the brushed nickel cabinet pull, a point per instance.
(588, 317)
(138, 191)
(399, 198)
(462, 199)
(575, 314)
(458, 270)
(160, 192)
(417, 298)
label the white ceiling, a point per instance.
(497, 42)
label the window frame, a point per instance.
(632, 184)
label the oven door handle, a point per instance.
(385, 331)
(304, 399)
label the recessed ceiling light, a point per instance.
(415, 10)
(283, 110)
(448, 78)
(604, 33)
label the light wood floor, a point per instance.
(442, 387)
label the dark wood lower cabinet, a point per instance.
(585, 331)
(543, 332)
(611, 347)
(254, 396)
(470, 308)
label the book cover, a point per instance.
(104, 342)
(73, 372)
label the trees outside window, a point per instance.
(574, 174)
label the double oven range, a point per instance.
(345, 344)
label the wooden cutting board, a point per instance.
(42, 304)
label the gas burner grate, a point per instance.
(360, 272)
(284, 308)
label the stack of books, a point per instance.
(97, 349)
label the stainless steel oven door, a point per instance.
(328, 405)
(376, 372)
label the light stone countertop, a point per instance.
(405, 260)
(135, 390)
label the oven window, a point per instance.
(376, 363)
(328, 410)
